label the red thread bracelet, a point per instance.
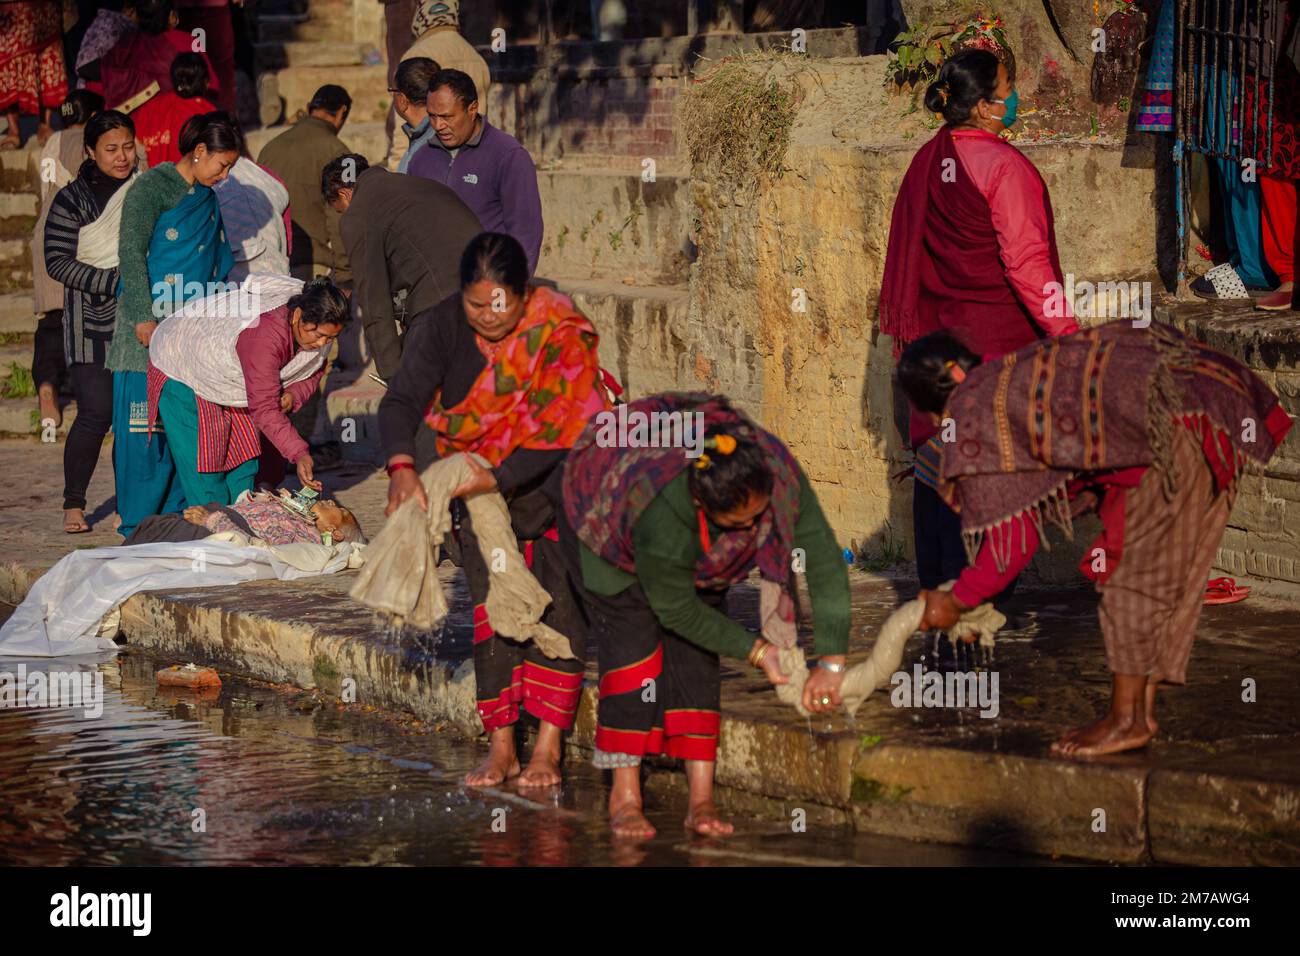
(398, 466)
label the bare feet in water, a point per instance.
(493, 771)
(542, 771)
(703, 819)
(628, 821)
(501, 763)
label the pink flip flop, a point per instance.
(1225, 591)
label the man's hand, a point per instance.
(286, 402)
(823, 685)
(941, 610)
(480, 480)
(196, 514)
(305, 467)
(402, 484)
(144, 332)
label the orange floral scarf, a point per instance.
(543, 385)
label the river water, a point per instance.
(260, 774)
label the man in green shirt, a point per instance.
(655, 538)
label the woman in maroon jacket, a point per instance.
(218, 380)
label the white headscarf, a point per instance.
(438, 13)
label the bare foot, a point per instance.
(49, 399)
(703, 819)
(494, 770)
(11, 140)
(542, 771)
(74, 521)
(117, 521)
(1153, 685)
(1107, 736)
(43, 133)
(629, 822)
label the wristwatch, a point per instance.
(833, 668)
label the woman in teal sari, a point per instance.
(172, 245)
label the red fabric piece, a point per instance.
(158, 124)
(1279, 200)
(32, 73)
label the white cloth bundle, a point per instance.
(400, 578)
(72, 608)
(195, 345)
(252, 207)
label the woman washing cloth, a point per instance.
(1145, 425)
(656, 539)
(509, 371)
(219, 376)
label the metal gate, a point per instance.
(1222, 51)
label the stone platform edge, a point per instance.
(926, 793)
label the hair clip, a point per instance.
(703, 462)
(957, 373)
(723, 444)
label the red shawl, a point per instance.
(943, 269)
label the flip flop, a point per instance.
(70, 528)
(1225, 591)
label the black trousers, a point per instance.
(940, 551)
(93, 387)
(48, 365)
(659, 693)
(510, 675)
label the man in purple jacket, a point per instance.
(488, 169)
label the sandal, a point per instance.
(74, 525)
(1279, 300)
(1225, 591)
(1222, 284)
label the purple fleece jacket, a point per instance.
(496, 179)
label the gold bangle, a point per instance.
(760, 654)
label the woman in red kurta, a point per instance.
(158, 122)
(972, 251)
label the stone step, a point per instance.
(280, 55)
(279, 28)
(367, 85)
(24, 204)
(17, 312)
(19, 416)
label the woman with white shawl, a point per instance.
(224, 368)
(80, 252)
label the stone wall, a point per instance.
(822, 378)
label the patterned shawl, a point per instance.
(539, 393)
(1096, 400)
(607, 488)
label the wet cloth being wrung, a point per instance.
(400, 578)
(875, 672)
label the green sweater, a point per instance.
(667, 546)
(152, 194)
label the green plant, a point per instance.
(922, 50)
(892, 552)
(616, 236)
(19, 384)
(561, 237)
(10, 338)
